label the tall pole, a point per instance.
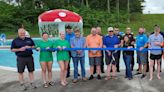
(128, 11)
(87, 4)
(68, 1)
(82, 2)
(118, 10)
(108, 6)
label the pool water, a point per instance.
(8, 59)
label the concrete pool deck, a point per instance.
(4, 47)
(9, 83)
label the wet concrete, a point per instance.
(9, 83)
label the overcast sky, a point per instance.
(154, 6)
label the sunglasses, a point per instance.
(110, 31)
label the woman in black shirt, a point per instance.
(127, 56)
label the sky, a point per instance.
(153, 7)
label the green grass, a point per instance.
(147, 21)
(137, 20)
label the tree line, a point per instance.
(13, 13)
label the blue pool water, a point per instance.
(8, 58)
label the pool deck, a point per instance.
(9, 83)
(4, 47)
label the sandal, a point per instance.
(107, 78)
(113, 77)
(45, 85)
(63, 84)
(51, 83)
(66, 82)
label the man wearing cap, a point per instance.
(79, 55)
(94, 41)
(110, 41)
(22, 48)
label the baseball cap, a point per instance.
(110, 29)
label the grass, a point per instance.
(137, 20)
(147, 21)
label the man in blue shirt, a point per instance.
(110, 41)
(141, 40)
(69, 34)
(79, 55)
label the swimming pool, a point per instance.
(8, 58)
(8, 41)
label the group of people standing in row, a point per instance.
(73, 39)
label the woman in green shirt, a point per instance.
(62, 57)
(46, 59)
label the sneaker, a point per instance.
(91, 77)
(138, 73)
(45, 85)
(98, 77)
(130, 78)
(143, 76)
(67, 76)
(118, 70)
(102, 71)
(23, 87)
(126, 77)
(84, 79)
(74, 81)
(33, 85)
(51, 83)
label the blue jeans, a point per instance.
(127, 60)
(82, 63)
